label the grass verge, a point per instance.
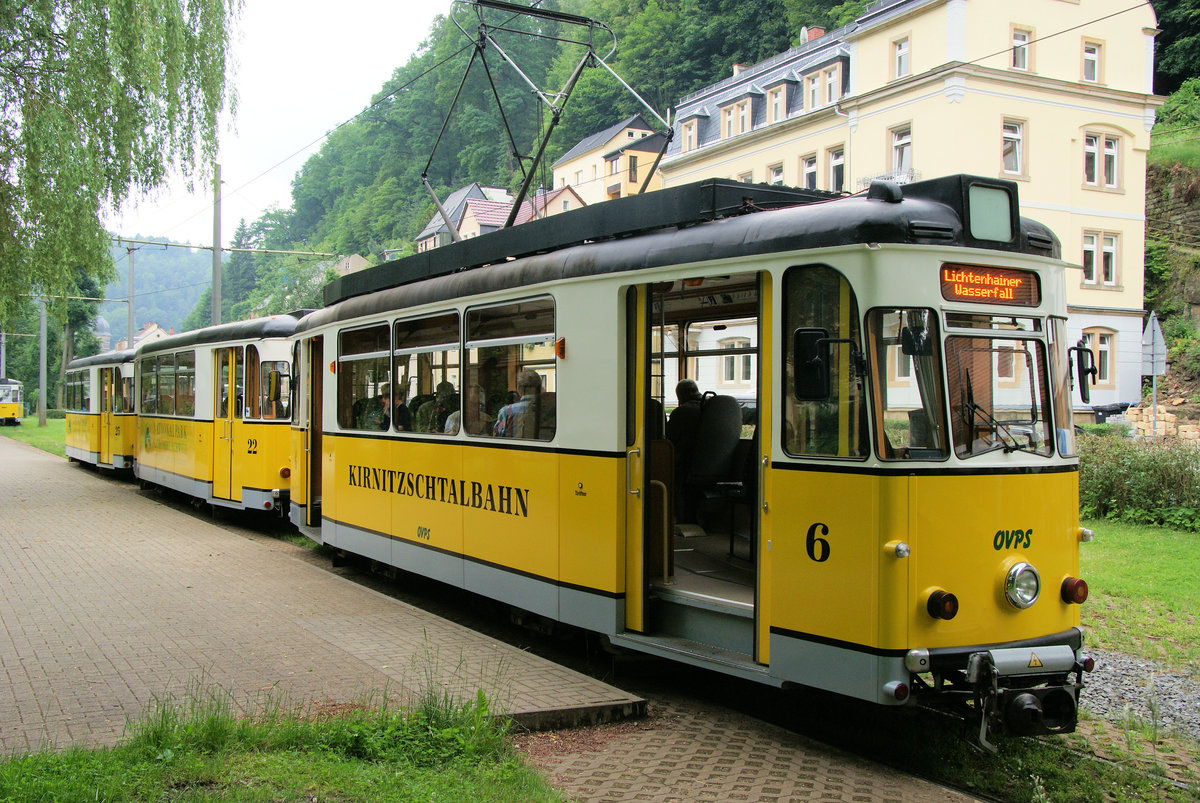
(1145, 599)
(50, 438)
(199, 748)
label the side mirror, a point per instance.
(1085, 369)
(274, 386)
(915, 342)
(810, 354)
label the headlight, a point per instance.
(1022, 585)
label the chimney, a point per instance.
(808, 34)
(738, 69)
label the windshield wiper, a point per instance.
(997, 426)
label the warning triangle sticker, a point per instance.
(1034, 661)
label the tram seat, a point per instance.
(742, 490)
(717, 437)
(547, 418)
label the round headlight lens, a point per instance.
(1022, 585)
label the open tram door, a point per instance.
(228, 387)
(694, 513)
(313, 393)
(107, 420)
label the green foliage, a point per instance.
(96, 99)
(1141, 481)
(199, 748)
(1177, 47)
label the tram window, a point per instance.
(85, 387)
(122, 393)
(427, 393)
(276, 389)
(818, 297)
(511, 371)
(148, 392)
(166, 384)
(252, 382)
(363, 378)
(185, 383)
(991, 410)
(906, 370)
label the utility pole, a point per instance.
(129, 249)
(2, 350)
(216, 265)
(42, 371)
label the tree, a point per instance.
(1177, 48)
(97, 100)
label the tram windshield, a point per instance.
(907, 371)
(999, 397)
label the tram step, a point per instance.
(678, 648)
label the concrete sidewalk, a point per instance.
(109, 598)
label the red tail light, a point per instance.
(942, 605)
(285, 472)
(1074, 590)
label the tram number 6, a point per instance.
(818, 547)
(252, 446)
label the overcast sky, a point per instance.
(301, 68)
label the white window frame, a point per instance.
(837, 163)
(902, 150)
(901, 63)
(833, 85)
(814, 92)
(808, 171)
(1112, 162)
(1014, 145)
(776, 104)
(1093, 55)
(1091, 160)
(1090, 254)
(775, 174)
(1020, 48)
(1108, 259)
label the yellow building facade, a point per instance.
(1054, 94)
(612, 163)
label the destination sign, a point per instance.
(990, 285)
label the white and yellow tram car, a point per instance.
(12, 408)
(213, 413)
(878, 496)
(99, 402)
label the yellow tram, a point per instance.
(877, 494)
(12, 408)
(99, 402)
(212, 413)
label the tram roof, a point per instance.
(4, 381)
(253, 329)
(106, 358)
(705, 221)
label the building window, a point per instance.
(578, 177)
(776, 104)
(900, 65)
(614, 166)
(1101, 161)
(837, 169)
(727, 114)
(814, 90)
(633, 173)
(1092, 61)
(743, 110)
(833, 85)
(1020, 48)
(746, 178)
(1101, 343)
(775, 174)
(901, 151)
(1112, 147)
(808, 172)
(1100, 266)
(689, 136)
(1014, 147)
(566, 206)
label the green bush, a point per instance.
(1141, 481)
(56, 414)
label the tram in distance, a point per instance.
(12, 408)
(201, 412)
(798, 439)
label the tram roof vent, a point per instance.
(885, 191)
